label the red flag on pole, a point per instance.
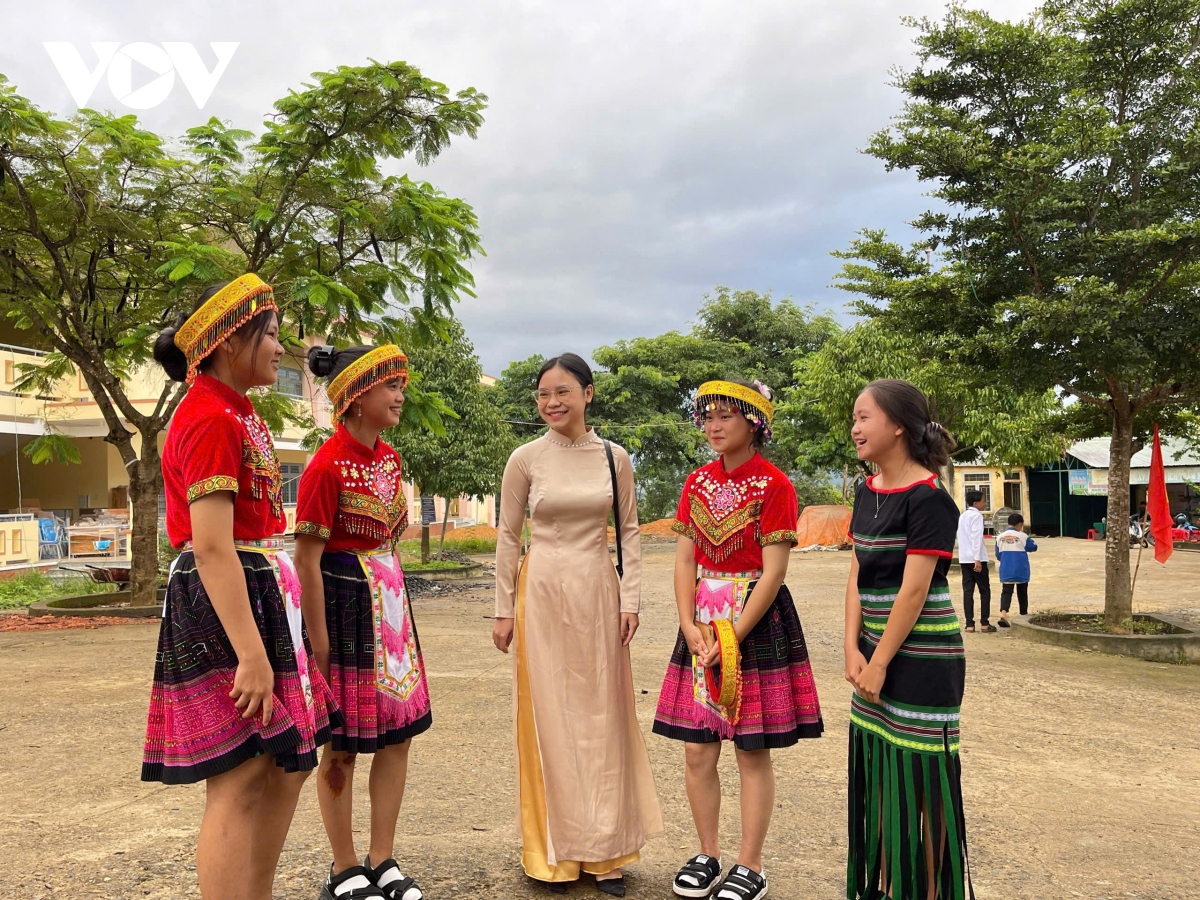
(1157, 505)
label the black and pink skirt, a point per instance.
(376, 670)
(778, 696)
(194, 731)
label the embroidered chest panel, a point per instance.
(371, 501)
(258, 455)
(722, 513)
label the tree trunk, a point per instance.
(1118, 595)
(445, 520)
(949, 479)
(424, 533)
(145, 485)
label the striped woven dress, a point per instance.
(904, 763)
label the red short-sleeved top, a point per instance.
(351, 496)
(731, 516)
(216, 442)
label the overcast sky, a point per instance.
(634, 154)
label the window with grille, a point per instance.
(290, 382)
(981, 483)
(291, 478)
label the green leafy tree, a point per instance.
(999, 421)
(107, 233)
(1065, 152)
(644, 386)
(649, 383)
(466, 457)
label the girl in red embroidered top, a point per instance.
(351, 510)
(237, 700)
(736, 524)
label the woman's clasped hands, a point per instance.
(866, 678)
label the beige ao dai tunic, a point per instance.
(586, 795)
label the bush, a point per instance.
(466, 545)
(816, 491)
(432, 565)
(412, 548)
(166, 556)
(30, 587)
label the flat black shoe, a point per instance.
(554, 887)
(614, 887)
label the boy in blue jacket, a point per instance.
(1012, 550)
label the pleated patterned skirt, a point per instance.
(194, 731)
(374, 716)
(779, 705)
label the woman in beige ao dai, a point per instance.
(586, 795)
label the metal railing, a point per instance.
(26, 350)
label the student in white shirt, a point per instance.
(973, 558)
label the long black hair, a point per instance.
(174, 361)
(928, 442)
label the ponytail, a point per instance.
(929, 443)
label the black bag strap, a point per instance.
(612, 472)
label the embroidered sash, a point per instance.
(397, 664)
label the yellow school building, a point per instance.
(91, 497)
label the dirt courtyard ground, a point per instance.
(1081, 771)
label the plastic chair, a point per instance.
(50, 539)
(1091, 534)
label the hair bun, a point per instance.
(171, 358)
(320, 360)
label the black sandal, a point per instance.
(698, 877)
(400, 888)
(366, 891)
(742, 884)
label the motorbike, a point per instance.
(1139, 532)
(1138, 535)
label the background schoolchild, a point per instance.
(1012, 552)
(973, 560)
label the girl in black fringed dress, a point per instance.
(904, 657)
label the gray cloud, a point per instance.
(634, 155)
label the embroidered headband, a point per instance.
(220, 316)
(749, 402)
(380, 365)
